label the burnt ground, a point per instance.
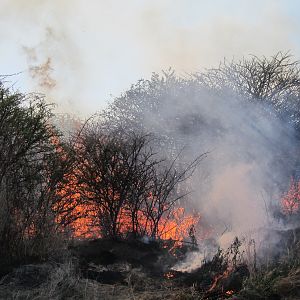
(123, 269)
(98, 269)
(152, 257)
(116, 269)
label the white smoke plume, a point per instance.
(251, 157)
(100, 48)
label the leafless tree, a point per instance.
(127, 183)
(273, 81)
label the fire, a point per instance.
(80, 216)
(175, 227)
(218, 277)
(169, 275)
(178, 226)
(229, 293)
(70, 213)
(290, 202)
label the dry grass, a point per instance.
(62, 281)
(45, 281)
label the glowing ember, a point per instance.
(229, 293)
(169, 275)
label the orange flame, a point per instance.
(169, 275)
(218, 277)
(290, 203)
(229, 293)
(176, 226)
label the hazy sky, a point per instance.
(82, 53)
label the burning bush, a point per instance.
(290, 202)
(126, 187)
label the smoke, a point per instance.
(78, 54)
(251, 156)
(50, 53)
(95, 50)
(193, 261)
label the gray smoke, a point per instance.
(99, 49)
(251, 157)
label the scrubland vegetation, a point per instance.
(105, 211)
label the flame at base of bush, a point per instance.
(176, 227)
(290, 202)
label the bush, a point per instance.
(31, 167)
